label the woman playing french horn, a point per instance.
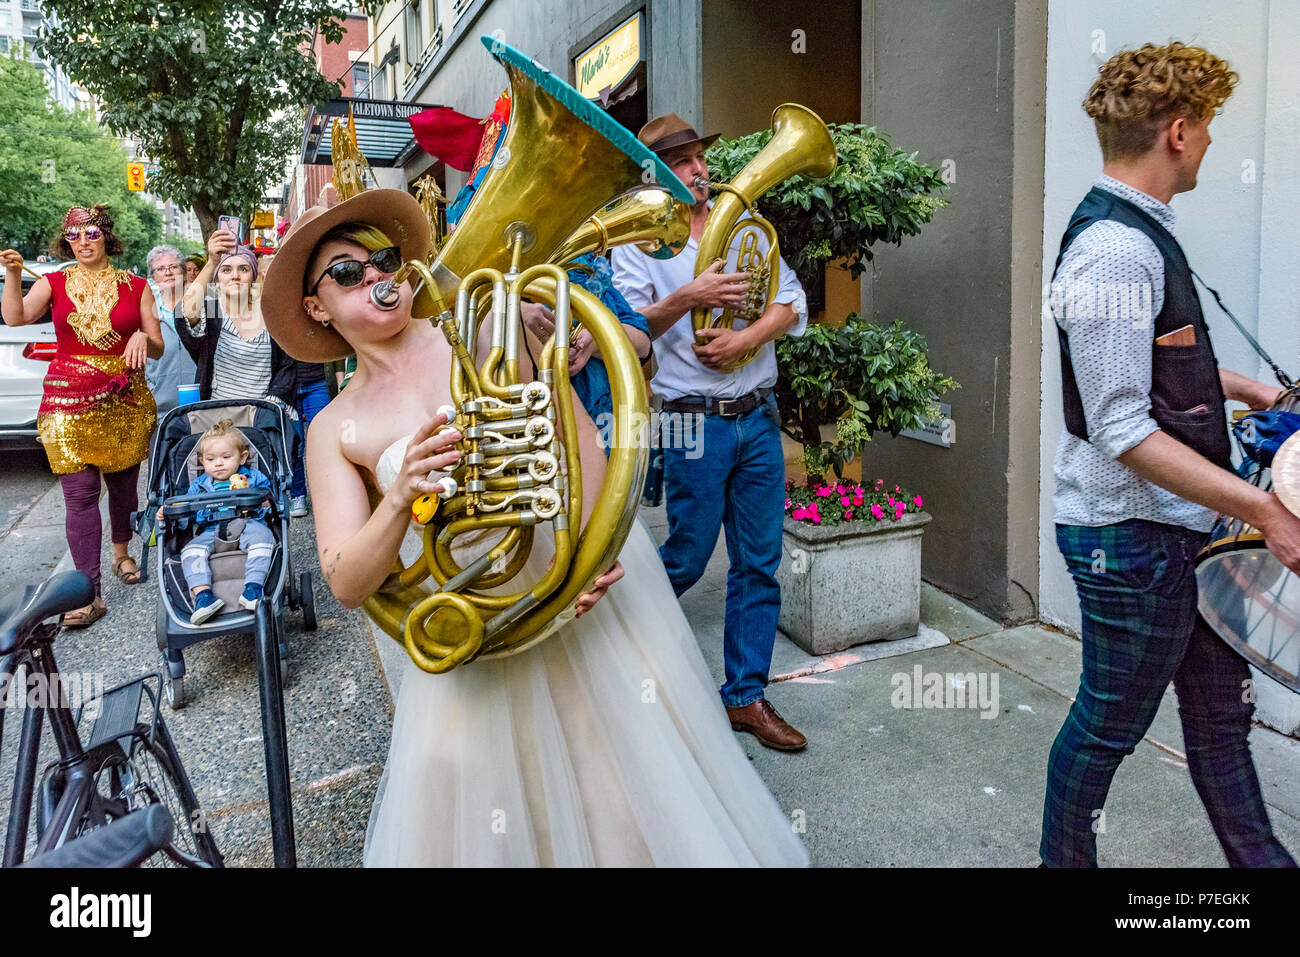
(603, 745)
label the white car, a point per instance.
(25, 354)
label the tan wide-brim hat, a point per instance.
(393, 212)
(670, 131)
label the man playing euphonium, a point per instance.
(739, 480)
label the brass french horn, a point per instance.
(800, 145)
(561, 160)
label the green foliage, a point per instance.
(212, 92)
(875, 194)
(862, 377)
(52, 158)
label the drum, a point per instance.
(1249, 598)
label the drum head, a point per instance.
(1286, 473)
(1252, 601)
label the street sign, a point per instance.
(135, 177)
(940, 431)
(609, 61)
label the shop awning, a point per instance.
(383, 130)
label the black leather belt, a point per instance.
(712, 405)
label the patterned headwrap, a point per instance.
(81, 216)
(240, 252)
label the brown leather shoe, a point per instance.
(761, 720)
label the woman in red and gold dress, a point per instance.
(97, 411)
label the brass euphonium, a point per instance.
(653, 218)
(561, 160)
(800, 145)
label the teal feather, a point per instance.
(592, 115)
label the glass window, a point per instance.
(361, 78)
(414, 34)
(378, 83)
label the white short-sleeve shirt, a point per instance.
(644, 280)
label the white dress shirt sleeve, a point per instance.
(632, 277)
(790, 292)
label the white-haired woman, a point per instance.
(603, 745)
(166, 274)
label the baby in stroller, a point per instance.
(223, 454)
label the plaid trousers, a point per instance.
(1137, 592)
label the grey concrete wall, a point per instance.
(675, 80)
(962, 83)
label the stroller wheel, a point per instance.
(174, 688)
(160, 625)
(308, 599)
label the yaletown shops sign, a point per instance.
(610, 60)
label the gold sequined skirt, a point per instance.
(112, 436)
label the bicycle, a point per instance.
(126, 764)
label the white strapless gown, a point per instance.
(606, 744)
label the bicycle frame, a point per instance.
(75, 774)
(79, 791)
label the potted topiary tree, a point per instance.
(853, 549)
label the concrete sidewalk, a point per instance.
(912, 786)
(878, 785)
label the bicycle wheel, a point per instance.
(153, 775)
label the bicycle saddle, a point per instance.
(57, 594)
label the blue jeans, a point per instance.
(256, 539)
(311, 399)
(721, 472)
(1137, 592)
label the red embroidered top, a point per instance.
(101, 339)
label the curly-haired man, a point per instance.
(1143, 466)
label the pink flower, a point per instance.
(848, 514)
(844, 500)
(899, 509)
(857, 496)
(824, 491)
(877, 512)
(787, 503)
(916, 500)
(880, 481)
(840, 489)
(798, 514)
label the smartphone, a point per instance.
(233, 224)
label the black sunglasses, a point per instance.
(349, 272)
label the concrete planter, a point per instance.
(843, 585)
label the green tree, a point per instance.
(212, 92)
(52, 158)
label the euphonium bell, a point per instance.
(562, 159)
(800, 145)
(652, 218)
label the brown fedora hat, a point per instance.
(669, 131)
(393, 212)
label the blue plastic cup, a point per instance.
(186, 394)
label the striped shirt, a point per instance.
(241, 368)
